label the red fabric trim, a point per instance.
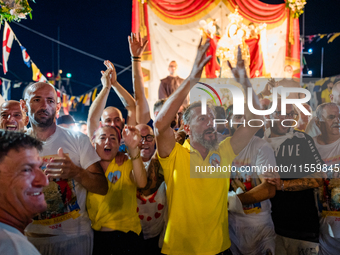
(179, 9)
(255, 10)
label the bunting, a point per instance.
(36, 74)
(7, 42)
(331, 37)
(6, 89)
(25, 56)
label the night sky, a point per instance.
(101, 29)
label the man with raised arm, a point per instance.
(73, 169)
(197, 207)
(110, 115)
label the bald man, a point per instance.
(72, 166)
(12, 116)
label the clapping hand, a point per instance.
(131, 137)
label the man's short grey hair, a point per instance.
(321, 107)
(159, 104)
(187, 115)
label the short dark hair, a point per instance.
(159, 104)
(187, 113)
(10, 140)
(229, 112)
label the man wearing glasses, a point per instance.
(294, 212)
(151, 200)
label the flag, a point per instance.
(6, 89)
(65, 101)
(335, 35)
(88, 99)
(43, 78)
(25, 56)
(94, 94)
(36, 76)
(17, 85)
(7, 42)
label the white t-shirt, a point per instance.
(329, 193)
(66, 199)
(13, 242)
(257, 153)
(312, 129)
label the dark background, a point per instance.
(101, 28)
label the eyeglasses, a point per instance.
(290, 115)
(148, 138)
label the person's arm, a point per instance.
(92, 178)
(124, 96)
(257, 194)
(242, 135)
(132, 138)
(137, 47)
(165, 137)
(296, 184)
(98, 105)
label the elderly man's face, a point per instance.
(21, 184)
(12, 117)
(147, 143)
(330, 123)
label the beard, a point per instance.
(208, 144)
(44, 122)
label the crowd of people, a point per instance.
(132, 187)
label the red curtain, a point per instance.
(180, 9)
(259, 12)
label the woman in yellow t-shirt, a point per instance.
(114, 216)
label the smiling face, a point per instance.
(147, 148)
(106, 143)
(21, 184)
(12, 117)
(330, 121)
(42, 104)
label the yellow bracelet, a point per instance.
(136, 157)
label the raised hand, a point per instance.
(131, 137)
(137, 45)
(239, 71)
(105, 79)
(201, 60)
(113, 74)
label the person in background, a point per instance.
(312, 129)
(82, 127)
(21, 190)
(251, 228)
(303, 120)
(66, 121)
(220, 114)
(12, 116)
(170, 83)
(294, 211)
(325, 94)
(328, 145)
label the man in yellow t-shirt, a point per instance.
(325, 94)
(197, 199)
